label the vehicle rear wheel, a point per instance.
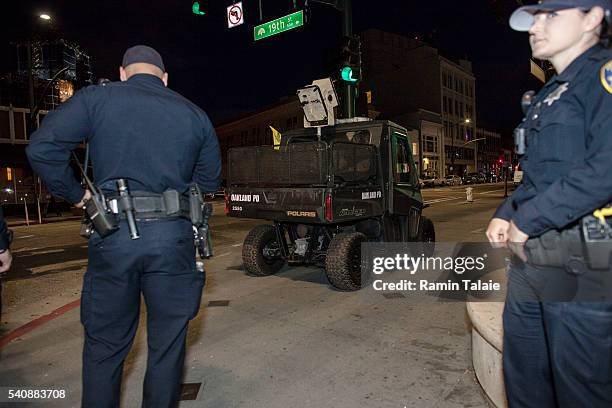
(343, 261)
(261, 251)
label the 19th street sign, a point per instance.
(279, 25)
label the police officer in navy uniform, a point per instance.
(154, 138)
(559, 353)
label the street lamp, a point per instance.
(454, 149)
(44, 16)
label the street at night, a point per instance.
(306, 203)
(265, 341)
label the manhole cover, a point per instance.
(189, 392)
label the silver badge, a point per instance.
(556, 95)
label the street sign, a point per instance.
(235, 15)
(279, 25)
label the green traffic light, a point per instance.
(196, 9)
(347, 75)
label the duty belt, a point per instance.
(585, 245)
(151, 206)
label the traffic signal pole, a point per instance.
(347, 31)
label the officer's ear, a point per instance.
(165, 78)
(122, 74)
(594, 18)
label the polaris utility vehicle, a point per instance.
(327, 189)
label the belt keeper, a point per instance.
(171, 202)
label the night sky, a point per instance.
(226, 73)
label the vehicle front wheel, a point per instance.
(343, 261)
(261, 252)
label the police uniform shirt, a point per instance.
(568, 162)
(138, 130)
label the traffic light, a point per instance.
(350, 52)
(198, 9)
(346, 73)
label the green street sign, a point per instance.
(279, 25)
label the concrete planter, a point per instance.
(487, 334)
(487, 345)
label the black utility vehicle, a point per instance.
(326, 194)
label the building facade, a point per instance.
(405, 76)
(490, 155)
(44, 74)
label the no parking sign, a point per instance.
(235, 15)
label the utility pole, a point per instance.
(347, 31)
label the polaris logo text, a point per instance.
(244, 198)
(305, 214)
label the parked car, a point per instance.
(432, 181)
(473, 178)
(453, 180)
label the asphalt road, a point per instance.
(417, 350)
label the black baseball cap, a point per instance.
(522, 19)
(144, 54)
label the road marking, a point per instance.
(16, 251)
(50, 251)
(441, 200)
(491, 192)
(28, 327)
(59, 266)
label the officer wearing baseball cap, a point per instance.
(144, 135)
(523, 18)
(557, 351)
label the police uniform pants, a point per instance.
(556, 353)
(160, 266)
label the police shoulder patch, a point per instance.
(606, 76)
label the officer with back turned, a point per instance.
(149, 147)
(557, 334)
